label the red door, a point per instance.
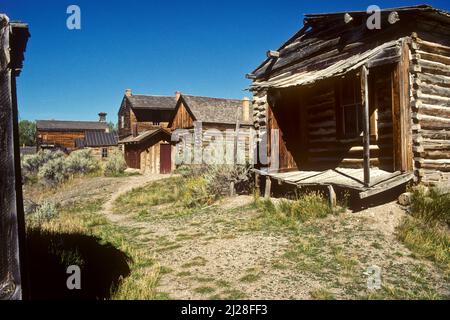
(165, 158)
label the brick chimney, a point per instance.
(128, 92)
(102, 117)
(177, 95)
(246, 109)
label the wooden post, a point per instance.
(332, 196)
(366, 138)
(267, 191)
(258, 183)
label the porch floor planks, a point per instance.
(342, 177)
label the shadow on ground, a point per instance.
(49, 255)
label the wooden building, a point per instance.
(61, 135)
(151, 151)
(139, 113)
(367, 109)
(217, 116)
(142, 122)
(102, 144)
(13, 283)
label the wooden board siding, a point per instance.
(65, 139)
(145, 155)
(182, 119)
(430, 69)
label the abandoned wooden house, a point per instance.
(61, 135)
(217, 117)
(357, 107)
(13, 42)
(102, 144)
(142, 122)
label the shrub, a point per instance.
(32, 163)
(82, 162)
(53, 172)
(115, 166)
(431, 206)
(195, 193)
(44, 213)
(218, 179)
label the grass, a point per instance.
(85, 219)
(289, 213)
(426, 231)
(426, 241)
(322, 294)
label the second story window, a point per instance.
(122, 122)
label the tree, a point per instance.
(113, 127)
(27, 133)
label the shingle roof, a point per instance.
(215, 110)
(152, 102)
(100, 139)
(70, 125)
(143, 136)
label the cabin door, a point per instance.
(165, 158)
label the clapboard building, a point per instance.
(359, 107)
(62, 135)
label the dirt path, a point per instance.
(228, 252)
(131, 183)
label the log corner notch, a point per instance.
(273, 54)
(366, 135)
(348, 18)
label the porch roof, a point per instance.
(343, 177)
(372, 57)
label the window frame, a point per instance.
(104, 153)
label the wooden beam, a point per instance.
(366, 137)
(273, 54)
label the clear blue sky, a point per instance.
(152, 47)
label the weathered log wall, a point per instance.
(430, 100)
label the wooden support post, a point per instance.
(332, 196)
(365, 105)
(267, 191)
(232, 189)
(258, 184)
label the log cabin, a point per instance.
(143, 120)
(102, 144)
(61, 135)
(357, 107)
(13, 282)
(216, 117)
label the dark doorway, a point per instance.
(165, 158)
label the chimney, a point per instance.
(128, 93)
(102, 117)
(177, 95)
(246, 109)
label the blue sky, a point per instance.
(152, 47)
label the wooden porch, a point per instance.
(346, 178)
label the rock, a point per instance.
(405, 199)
